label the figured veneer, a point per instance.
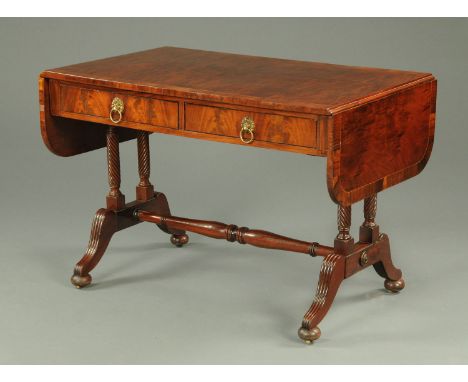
(93, 104)
(358, 117)
(269, 83)
(268, 127)
(374, 126)
(67, 137)
(380, 144)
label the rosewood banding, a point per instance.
(361, 114)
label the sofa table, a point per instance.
(374, 126)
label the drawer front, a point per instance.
(272, 128)
(97, 103)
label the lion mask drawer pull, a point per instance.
(117, 107)
(247, 128)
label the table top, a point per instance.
(375, 126)
(272, 83)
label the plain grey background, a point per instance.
(216, 302)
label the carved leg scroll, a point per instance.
(331, 276)
(107, 222)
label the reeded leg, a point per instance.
(331, 276)
(103, 227)
(105, 222)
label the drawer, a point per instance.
(272, 128)
(69, 100)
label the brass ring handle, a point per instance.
(117, 106)
(251, 138)
(247, 126)
(111, 115)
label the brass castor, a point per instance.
(81, 281)
(179, 240)
(309, 335)
(394, 286)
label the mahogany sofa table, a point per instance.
(374, 126)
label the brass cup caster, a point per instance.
(81, 281)
(394, 286)
(309, 335)
(179, 240)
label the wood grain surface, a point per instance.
(380, 144)
(268, 127)
(375, 126)
(67, 136)
(71, 99)
(233, 233)
(239, 79)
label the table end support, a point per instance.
(373, 248)
(106, 223)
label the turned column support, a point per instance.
(144, 190)
(115, 199)
(369, 230)
(344, 242)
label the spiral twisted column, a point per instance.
(344, 242)
(370, 210)
(344, 222)
(144, 190)
(369, 231)
(115, 199)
